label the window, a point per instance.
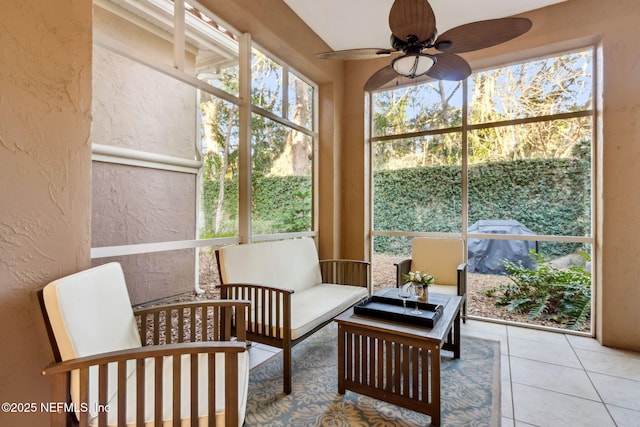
(282, 141)
(418, 140)
(169, 150)
(508, 167)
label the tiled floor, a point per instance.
(552, 379)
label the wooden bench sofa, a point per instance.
(293, 293)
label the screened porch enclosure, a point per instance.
(181, 164)
(508, 145)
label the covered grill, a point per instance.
(486, 256)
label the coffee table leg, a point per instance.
(456, 337)
(435, 386)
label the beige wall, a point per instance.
(45, 179)
(612, 25)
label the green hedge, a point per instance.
(548, 196)
(279, 204)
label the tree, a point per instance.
(413, 109)
(276, 149)
(297, 151)
(220, 122)
(533, 89)
(537, 88)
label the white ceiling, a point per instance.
(351, 24)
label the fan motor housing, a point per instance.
(412, 40)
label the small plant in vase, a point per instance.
(420, 284)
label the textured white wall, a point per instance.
(136, 107)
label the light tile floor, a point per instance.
(553, 379)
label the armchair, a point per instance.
(117, 367)
(442, 258)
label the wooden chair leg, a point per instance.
(286, 367)
(464, 312)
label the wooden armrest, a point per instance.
(271, 308)
(117, 361)
(151, 351)
(164, 324)
(403, 267)
(346, 272)
(462, 279)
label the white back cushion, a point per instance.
(90, 312)
(291, 264)
(438, 257)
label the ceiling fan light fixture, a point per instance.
(413, 64)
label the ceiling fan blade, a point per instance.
(481, 34)
(449, 66)
(412, 18)
(380, 78)
(366, 53)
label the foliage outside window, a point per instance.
(281, 150)
(219, 205)
(528, 151)
(535, 115)
(522, 138)
(434, 105)
(417, 178)
(547, 292)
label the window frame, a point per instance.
(465, 128)
(150, 160)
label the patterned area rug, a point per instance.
(470, 390)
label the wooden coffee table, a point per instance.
(398, 362)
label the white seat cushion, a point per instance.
(443, 289)
(90, 313)
(312, 307)
(321, 303)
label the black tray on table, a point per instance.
(390, 307)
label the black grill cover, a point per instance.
(486, 255)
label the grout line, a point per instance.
(591, 381)
(513, 402)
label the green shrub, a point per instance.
(548, 196)
(278, 204)
(547, 292)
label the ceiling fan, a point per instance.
(428, 55)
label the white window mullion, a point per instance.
(178, 35)
(244, 141)
(465, 163)
(285, 92)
